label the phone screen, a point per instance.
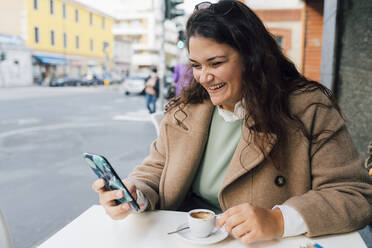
(102, 168)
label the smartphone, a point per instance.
(102, 168)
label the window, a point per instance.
(36, 4)
(103, 22)
(52, 41)
(91, 19)
(135, 39)
(77, 42)
(64, 14)
(76, 15)
(105, 46)
(91, 45)
(37, 40)
(51, 7)
(64, 40)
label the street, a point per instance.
(44, 181)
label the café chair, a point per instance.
(5, 240)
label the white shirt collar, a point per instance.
(238, 114)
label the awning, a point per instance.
(48, 60)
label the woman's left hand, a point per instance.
(249, 223)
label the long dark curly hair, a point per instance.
(268, 76)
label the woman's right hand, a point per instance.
(107, 199)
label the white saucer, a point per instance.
(217, 236)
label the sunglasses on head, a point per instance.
(221, 8)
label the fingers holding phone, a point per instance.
(113, 192)
(108, 199)
(99, 185)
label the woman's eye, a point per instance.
(216, 63)
(194, 65)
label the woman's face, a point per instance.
(218, 68)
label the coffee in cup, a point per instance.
(202, 215)
(201, 222)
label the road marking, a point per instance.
(21, 121)
(53, 128)
(140, 115)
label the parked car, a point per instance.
(56, 82)
(71, 81)
(111, 78)
(83, 81)
(90, 80)
(96, 81)
(63, 81)
(134, 85)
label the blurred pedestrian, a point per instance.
(182, 74)
(152, 91)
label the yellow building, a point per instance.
(66, 36)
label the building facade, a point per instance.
(283, 19)
(15, 62)
(122, 56)
(67, 38)
(141, 24)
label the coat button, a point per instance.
(279, 181)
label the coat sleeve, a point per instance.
(147, 176)
(341, 195)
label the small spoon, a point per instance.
(184, 228)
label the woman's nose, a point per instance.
(205, 76)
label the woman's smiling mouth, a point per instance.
(216, 87)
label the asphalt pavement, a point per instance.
(44, 181)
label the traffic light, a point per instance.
(181, 39)
(170, 9)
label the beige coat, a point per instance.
(329, 188)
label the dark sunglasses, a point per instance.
(221, 8)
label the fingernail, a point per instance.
(119, 194)
(125, 207)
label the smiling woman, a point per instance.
(252, 138)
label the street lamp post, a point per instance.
(170, 12)
(162, 67)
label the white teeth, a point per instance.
(215, 87)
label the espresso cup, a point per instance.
(201, 222)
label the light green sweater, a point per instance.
(222, 141)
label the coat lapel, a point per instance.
(184, 151)
(246, 156)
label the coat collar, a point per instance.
(188, 141)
